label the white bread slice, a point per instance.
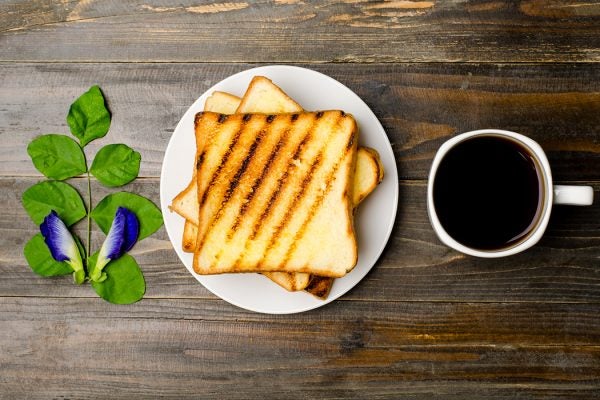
(274, 193)
(222, 102)
(263, 96)
(367, 175)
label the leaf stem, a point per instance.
(89, 211)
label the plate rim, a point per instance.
(391, 219)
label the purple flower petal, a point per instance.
(61, 244)
(111, 248)
(121, 237)
(57, 237)
(132, 228)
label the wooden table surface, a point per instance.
(426, 321)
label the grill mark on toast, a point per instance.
(224, 160)
(234, 181)
(270, 118)
(350, 142)
(317, 203)
(257, 182)
(299, 194)
(275, 195)
(236, 178)
(222, 118)
(198, 117)
(200, 160)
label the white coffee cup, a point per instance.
(552, 194)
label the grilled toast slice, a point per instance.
(274, 192)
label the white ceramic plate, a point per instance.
(374, 217)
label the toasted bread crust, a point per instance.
(271, 238)
(186, 202)
(375, 154)
(190, 233)
(292, 282)
(369, 173)
(319, 286)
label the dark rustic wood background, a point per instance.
(427, 321)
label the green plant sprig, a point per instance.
(59, 157)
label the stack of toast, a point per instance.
(274, 189)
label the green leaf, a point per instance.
(124, 283)
(88, 116)
(40, 260)
(147, 213)
(116, 165)
(57, 156)
(61, 197)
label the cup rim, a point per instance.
(540, 228)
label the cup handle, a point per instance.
(573, 195)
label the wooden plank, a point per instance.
(420, 105)
(399, 323)
(298, 31)
(563, 267)
(182, 348)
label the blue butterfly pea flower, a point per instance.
(121, 237)
(62, 245)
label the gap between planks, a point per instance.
(356, 300)
(301, 62)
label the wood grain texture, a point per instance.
(184, 348)
(562, 268)
(426, 322)
(420, 106)
(300, 31)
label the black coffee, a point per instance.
(487, 192)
